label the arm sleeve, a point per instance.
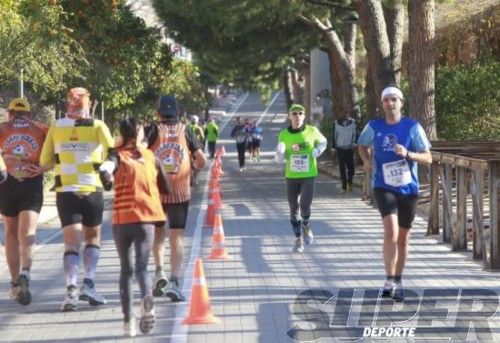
(163, 181)
(322, 143)
(419, 140)
(47, 154)
(366, 136)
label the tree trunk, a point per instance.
(342, 76)
(372, 99)
(376, 42)
(288, 87)
(394, 19)
(350, 45)
(421, 66)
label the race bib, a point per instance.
(396, 173)
(299, 163)
(240, 138)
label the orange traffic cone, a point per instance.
(218, 241)
(213, 184)
(215, 196)
(222, 150)
(210, 217)
(200, 311)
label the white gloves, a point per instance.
(107, 166)
(316, 152)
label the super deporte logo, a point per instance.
(437, 315)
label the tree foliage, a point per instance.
(467, 101)
(242, 42)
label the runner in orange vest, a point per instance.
(21, 196)
(137, 208)
(173, 143)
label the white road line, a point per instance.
(180, 331)
(268, 107)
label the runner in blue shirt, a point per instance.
(257, 134)
(397, 143)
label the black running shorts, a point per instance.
(75, 208)
(405, 206)
(17, 196)
(176, 214)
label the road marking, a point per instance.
(268, 107)
(180, 331)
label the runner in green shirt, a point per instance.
(211, 135)
(299, 145)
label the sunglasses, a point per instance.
(297, 113)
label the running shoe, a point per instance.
(308, 234)
(298, 246)
(399, 294)
(24, 295)
(129, 328)
(70, 299)
(159, 284)
(147, 321)
(14, 290)
(89, 294)
(173, 291)
(388, 290)
(349, 187)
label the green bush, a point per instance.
(468, 101)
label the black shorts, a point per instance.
(389, 202)
(255, 143)
(17, 196)
(176, 214)
(76, 209)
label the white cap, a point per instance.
(391, 91)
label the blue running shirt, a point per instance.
(391, 171)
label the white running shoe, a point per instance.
(70, 300)
(159, 284)
(129, 328)
(298, 246)
(148, 318)
(308, 234)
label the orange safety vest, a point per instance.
(137, 198)
(21, 141)
(172, 150)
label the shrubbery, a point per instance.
(468, 101)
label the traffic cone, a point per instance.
(218, 241)
(200, 311)
(222, 150)
(215, 196)
(210, 217)
(213, 184)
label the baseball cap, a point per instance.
(78, 98)
(168, 106)
(296, 108)
(19, 104)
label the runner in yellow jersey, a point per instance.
(76, 145)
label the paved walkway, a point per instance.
(256, 293)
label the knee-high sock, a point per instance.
(71, 262)
(90, 258)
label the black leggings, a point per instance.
(141, 235)
(300, 190)
(346, 161)
(241, 147)
(211, 149)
